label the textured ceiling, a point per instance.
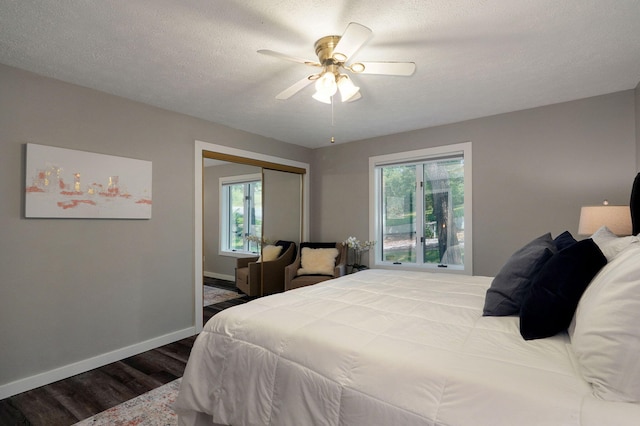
(198, 57)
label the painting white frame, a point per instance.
(67, 183)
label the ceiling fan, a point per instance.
(335, 54)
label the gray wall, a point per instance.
(532, 171)
(75, 289)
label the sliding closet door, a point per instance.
(282, 205)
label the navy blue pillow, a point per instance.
(634, 205)
(564, 240)
(556, 291)
(511, 284)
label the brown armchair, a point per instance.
(250, 273)
(293, 280)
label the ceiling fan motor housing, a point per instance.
(324, 49)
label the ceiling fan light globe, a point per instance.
(355, 97)
(322, 98)
(347, 89)
(350, 95)
(326, 84)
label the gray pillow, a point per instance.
(512, 283)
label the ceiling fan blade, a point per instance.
(354, 37)
(288, 58)
(387, 68)
(296, 87)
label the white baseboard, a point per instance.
(219, 276)
(32, 382)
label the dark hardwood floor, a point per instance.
(68, 401)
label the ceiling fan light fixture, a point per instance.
(347, 89)
(325, 99)
(326, 85)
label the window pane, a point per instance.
(236, 217)
(444, 212)
(241, 213)
(399, 214)
(421, 202)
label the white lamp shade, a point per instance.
(616, 218)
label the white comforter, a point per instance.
(385, 348)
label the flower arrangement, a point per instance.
(261, 242)
(358, 248)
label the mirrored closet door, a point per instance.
(249, 204)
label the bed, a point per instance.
(383, 347)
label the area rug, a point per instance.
(213, 295)
(154, 408)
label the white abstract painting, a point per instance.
(66, 183)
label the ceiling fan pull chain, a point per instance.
(332, 111)
(332, 138)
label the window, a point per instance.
(421, 208)
(240, 213)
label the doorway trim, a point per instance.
(200, 148)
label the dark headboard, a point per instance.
(635, 205)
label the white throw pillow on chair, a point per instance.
(270, 253)
(319, 261)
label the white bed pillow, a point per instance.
(610, 244)
(270, 253)
(605, 334)
(319, 261)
